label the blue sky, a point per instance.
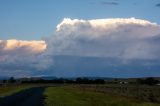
(35, 19)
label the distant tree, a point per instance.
(86, 81)
(140, 81)
(148, 81)
(115, 79)
(99, 81)
(69, 81)
(11, 80)
(89, 81)
(151, 81)
(4, 81)
(79, 80)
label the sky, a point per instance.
(35, 19)
(66, 38)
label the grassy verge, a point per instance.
(66, 96)
(142, 93)
(11, 89)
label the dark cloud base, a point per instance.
(75, 66)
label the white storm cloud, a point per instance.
(125, 38)
(16, 55)
(119, 38)
(13, 47)
(29, 46)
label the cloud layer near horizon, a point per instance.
(119, 38)
(13, 48)
(18, 57)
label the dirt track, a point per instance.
(29, 97)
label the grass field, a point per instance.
(71, 96)
(139, 92)
(11, 89)
(92, 95)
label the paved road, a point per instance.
(29, 97)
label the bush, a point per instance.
(148, 81)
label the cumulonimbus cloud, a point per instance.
(119, 38)
(16, 55)
(127, 38)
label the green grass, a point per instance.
(8, 90)
(142, 92)
(67, 96)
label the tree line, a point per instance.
(79, 80)
(148, 81)
(62, 80)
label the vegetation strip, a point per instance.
(69, 96)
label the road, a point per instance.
(29, 97)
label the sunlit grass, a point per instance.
(64, 96)
(9, 90)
